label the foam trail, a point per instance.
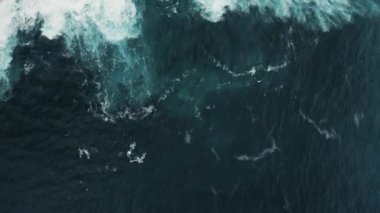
(94, 22)
(322, 14)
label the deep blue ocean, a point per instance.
(189, 106)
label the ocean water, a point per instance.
(189, 106)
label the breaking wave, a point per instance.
(322, 14)
(105, 34)
(87, 26)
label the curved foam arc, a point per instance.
(321, 13)
(106, 21)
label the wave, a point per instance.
(318, 14)
(86, 26)
(106, 36)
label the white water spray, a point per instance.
(322, 14)
(95, 21)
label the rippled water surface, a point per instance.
(189, 106)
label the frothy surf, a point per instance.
(322, 14)
(92, 27)
(94, 22)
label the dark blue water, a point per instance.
(301, 134)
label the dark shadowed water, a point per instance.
(249, 114)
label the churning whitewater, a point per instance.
(86, 23)
(322, 14)
(89, 27)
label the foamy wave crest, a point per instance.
(7, 41)
(321, 14)
(85, 25)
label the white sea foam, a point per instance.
(133, 158)
(267, 151)
(328, 134)
(323, 14)
(7, 40)
(95, 21)
(84, 153)
(115, 19)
